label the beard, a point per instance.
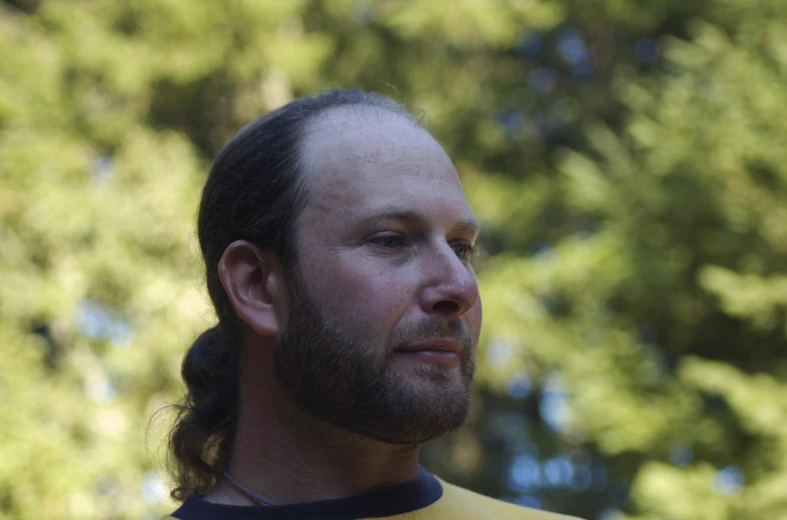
(348, 383)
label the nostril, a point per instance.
(446, 307)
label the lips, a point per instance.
(433, 345)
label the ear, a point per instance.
(256, 287)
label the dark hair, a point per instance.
(254, 192)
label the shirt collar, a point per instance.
(396, 500)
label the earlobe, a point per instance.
(254, 285)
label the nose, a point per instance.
(451, 289)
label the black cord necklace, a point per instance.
(248, 493)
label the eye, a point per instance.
(464, 251)
(389, 241)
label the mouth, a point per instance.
(437, 351)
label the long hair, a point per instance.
(254, 192)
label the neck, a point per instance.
(284, 455)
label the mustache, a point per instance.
(431, 328)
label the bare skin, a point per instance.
(383, 244)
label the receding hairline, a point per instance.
(364, 114)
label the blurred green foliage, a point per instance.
(628, 161)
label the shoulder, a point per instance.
(471, 504)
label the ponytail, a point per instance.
(201, 440)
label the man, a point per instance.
(336, 238)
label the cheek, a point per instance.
(364, 297)
(474, 318)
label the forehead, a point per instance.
(361, 159)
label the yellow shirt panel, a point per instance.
(461, 504)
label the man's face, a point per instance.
(385, 315)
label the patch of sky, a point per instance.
(154, 490)
(619, 492)
(524, 474)
(557, 472)
(585, 234)
(363, 13)
(571, 46)
(582, 478)
(647, 50)
(542, 79)
(681, 454)
(499, 352)
(555, 412)
(527, 473)
(519, 385)
(100, 390)
(527, 448)
(584, 69)
(543, 253)
(548, 301)
(728, 481)
(95, 321)
(658, 368)
(101, 169)
(514, 427)
(537, 248)
(121, 334)
(106, 485)
(529, 500)
(610, 514)
(530, 45)
(598, 475)
(512, 121)
(574, 51)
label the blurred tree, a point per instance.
(626, 159)
(664, 308)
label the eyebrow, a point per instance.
(412, 217)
